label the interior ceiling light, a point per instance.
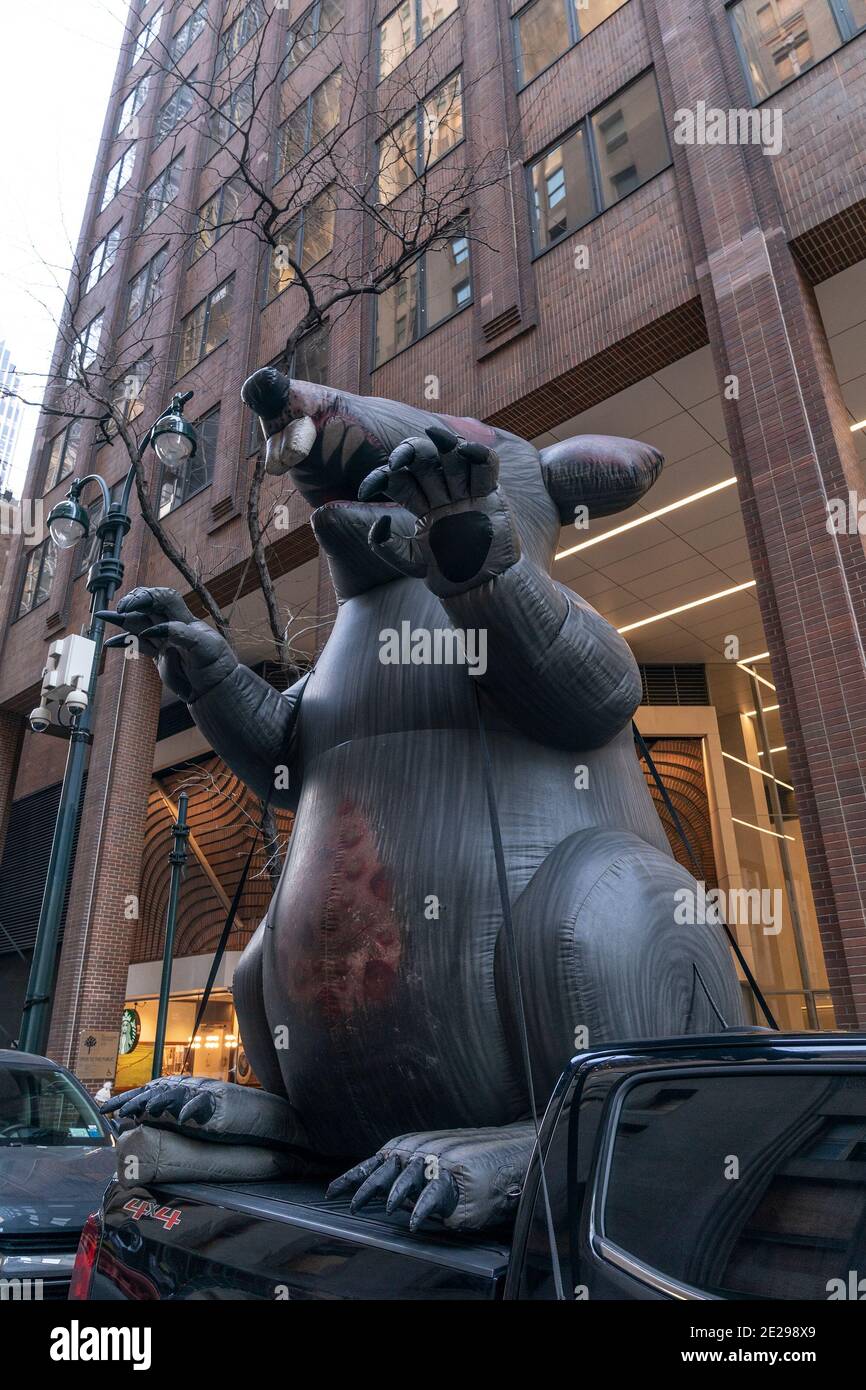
(779, 749)
(650, 516)
(767, 709)
(860, 425)
(769, 775)
(684, 608)
(746, 665)
(763, 829)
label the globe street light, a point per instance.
(174, 442)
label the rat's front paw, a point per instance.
(465, 533)
(467, 1178)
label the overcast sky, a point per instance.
(57, 63)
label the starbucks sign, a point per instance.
(130, 1031)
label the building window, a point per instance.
(188, 32)
(161, 192)
(144, 288)
(62, 453)
(310, 29)
(310, 358)
(545, 29)
(406, 27)
(409, 148)
(88, 549)
(248, 22)
(127, 393)
(173, 111)
(310, 123)
(84, 348)
(205, 326)
(432, 290)
(118, 176)
(132, 105)
(102, 257)
(304, 241)
(609, 155)
(198, 472)
(781, 39)
(216, 215)
(38, 573)
(233, 114)
(146, 36)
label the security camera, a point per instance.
(40, 719)
(76, 701)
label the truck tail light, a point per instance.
(85, 1258)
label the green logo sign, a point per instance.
(130, 1031)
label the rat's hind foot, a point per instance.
(468, 1178)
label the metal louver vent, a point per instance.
(674, 685)
(24, 866)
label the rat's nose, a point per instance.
(267, 392)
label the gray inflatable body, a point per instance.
(377, 996)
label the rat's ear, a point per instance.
(599, 471)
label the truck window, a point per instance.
(742, 1185)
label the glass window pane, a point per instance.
(318, 230)
(330, 15)
(433, 12)
(783, 38)
(311, 357)
(326, 108)
(858, 12)
(795, 1225)
(136, 295)
(28, 588)
(294, 139)
(190, 338)
(396, 38)
(208, 216)
(396, 316)
(218, 316)
(281, 271)
(562, 190)
(54, 459)
(590, 13)
(543, 35)
(442, 121)
(630, 140)
(300, 41)
(448, 286)
(398, 158)
(46, 572)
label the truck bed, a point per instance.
(281, 1240)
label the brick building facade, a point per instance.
(613, 267)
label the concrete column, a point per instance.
(791, 452)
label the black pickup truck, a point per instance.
(724, 1167)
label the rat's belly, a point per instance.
(379, 974)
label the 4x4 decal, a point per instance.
(169, 1216)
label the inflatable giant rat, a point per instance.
(377, 997)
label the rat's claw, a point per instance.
(349, 1181)
(439, 1198)
(199, 1109)
(408, 1185)
(377, 1184)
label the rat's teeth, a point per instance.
(290, 446)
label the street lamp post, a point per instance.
(174, 442)
(177, 860)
